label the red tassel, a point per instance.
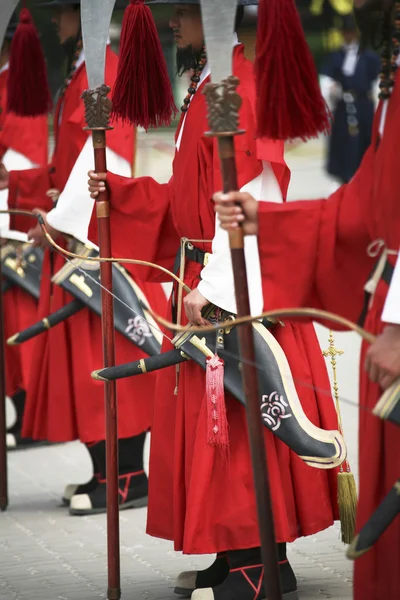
(217, 422)
(289, 101)
(142, 93)
(28, 89)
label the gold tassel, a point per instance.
(347, 499)
(347, 492)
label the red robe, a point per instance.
(323, 244)
(64, 403)
(202, 501)
(28, 137)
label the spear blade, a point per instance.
(218, 24)
(7, 8)
(95, 20)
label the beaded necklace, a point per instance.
(195, 80)
(390, 52)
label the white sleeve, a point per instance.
(217, 283)
(74, 207)
(13, 161)
(391, 311)
(330, 89)
(376, 90)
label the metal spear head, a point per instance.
(218, 23)
(7, 8)
(95, 19)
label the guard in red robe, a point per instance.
(23, 145)
(64, 403)
(199, 498)
(341, 252)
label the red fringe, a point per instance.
(289, 101)
(217, 422)
(142, 93)
(28, 88)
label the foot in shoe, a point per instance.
(215, 574)
(75, 489)
(133, 492)
(247, 583)
(15, 441)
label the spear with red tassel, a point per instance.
(7, 8)
(289, 106)
(140, 108)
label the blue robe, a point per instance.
(354, 112)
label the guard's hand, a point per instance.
(97, 183)
(383, 358)
(53, 194)
(4, 177)
(36, 234)
(231, 215)
(194, 303)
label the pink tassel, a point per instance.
(217, 422)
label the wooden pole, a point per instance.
(110, 392)
(223, 115)
(3, 424)
(250, 386)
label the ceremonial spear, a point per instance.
(6, 10)
(150, 103)
(96, 19)
(223, 106)
(289, 105)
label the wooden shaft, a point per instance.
(3, 425)
(111, 411)
(250, 386)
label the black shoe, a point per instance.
(74, 489)
(96, 452)
(246, 579)
(14, 439)
(133, 493)
(15, 442)
(188, 581)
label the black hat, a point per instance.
(12, 26)
(57, 2)
(120, 4)
(240, 2)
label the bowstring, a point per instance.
(227, 353)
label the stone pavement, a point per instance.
(47, 555)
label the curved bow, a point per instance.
(280, 313)
(73, 255)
